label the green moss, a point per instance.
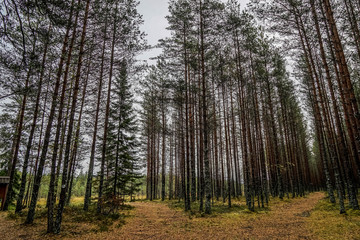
(326, 222)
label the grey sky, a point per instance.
(154, 12)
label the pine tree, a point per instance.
(122, 146)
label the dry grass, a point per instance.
(155, 220)
(76, 223)
(75, 201)
(300, 218)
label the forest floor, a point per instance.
(311, 217)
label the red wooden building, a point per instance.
(4, 182)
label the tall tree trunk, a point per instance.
(163, 163)
(77, 134)
(51, 194)
(64, 180)
(37, 180)
(93, 142)
(171, 176)
(107, 113)
(205, 124)
(19, 204)
(10, 191)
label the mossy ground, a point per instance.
(310, 217)
(326, 222)
(76, 221)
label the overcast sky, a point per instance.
(154, 12)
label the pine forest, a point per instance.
(179, 119)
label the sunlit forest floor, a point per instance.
(311, 217)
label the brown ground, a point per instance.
(154, 220)
(157, 221)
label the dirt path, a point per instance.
(154, 220)
(287, 221)
(158, 221)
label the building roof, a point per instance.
(4, 179)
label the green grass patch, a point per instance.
(326, 222)
(74, 217)
(218, 208)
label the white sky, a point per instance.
(154, 12)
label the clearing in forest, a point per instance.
(297, 218)
(155, 220)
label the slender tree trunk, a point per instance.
(10, 191)
(19, 204)
(93, 143)
(51, 194)
(207, 184)
(171, 168)
(163, 164)
(64, 180)
(107, 113)
(37, 180)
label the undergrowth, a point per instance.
(326, 222)
(74, 217)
